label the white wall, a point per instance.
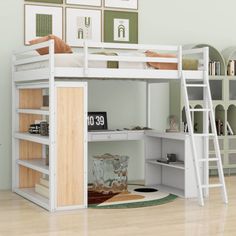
(163, 22)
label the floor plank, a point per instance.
(179, 218)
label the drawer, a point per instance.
(232, 159)
(133, 135)
(232, 144)
(107, 137)
(211, 144)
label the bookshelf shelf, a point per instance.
(35, 164)
(30, 194)
(32, 138)
(33, 111)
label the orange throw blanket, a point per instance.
(161, 65)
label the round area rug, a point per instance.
(134, 198)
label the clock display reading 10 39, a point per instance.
(97, 121)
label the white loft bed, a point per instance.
(86, 72)
(44, 73)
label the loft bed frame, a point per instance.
(52, 77)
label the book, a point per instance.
(44, 182)
(46, 108)
(42, 190)
(230, 68)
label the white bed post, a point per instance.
(148, 104)
(52, 130)
(85, 58)
(180, 56)
(206, 123)
(15, 127)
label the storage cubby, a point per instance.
(216, 89)
(232, 90)
(231, 118)
(195, 93)
(198, 120)
(177, 178)
(220, 117)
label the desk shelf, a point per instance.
(178, 179)
(176, 166)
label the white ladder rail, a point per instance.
(216, 144)
(190, 128)
(208, 112)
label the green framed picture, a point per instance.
(46, 1)
(120, 27)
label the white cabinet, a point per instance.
(178, 179)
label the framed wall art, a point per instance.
(126, 4)
(96, 3)
(120, 27)
(46, 1)
(83, 24)
(41, 21)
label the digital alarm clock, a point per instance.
(97, 120)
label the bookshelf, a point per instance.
(62, 184)
(223, 91)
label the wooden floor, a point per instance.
(181, 217)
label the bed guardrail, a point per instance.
(174, 50)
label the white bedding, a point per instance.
(77, 60)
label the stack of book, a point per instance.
(42, 187)
(214, 68)
(231, 68)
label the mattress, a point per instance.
(77, 60)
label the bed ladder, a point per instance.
(208, 115)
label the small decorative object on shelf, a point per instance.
(219, 127)
(40, 127)
(173, 124)
(97, 121)
(47, 156)
(34, 129)
(170, 157)
(44, 128)
(110, 173)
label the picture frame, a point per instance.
(46, 1)
(83, 24)
(123, 4)
(41, 21)
(120, 27)
(94, 3)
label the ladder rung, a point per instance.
(196, 85)
(199, 109)
(208, 159)
(212, 186)
(204, 135)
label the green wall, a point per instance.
(163, 22)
